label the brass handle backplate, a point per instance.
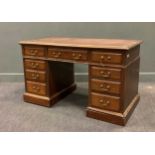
(56, 55)
(105, 88)
(104, 103)
(103, 58)
(33, 52)
(105, 74)
(34, 65)
(36, 88)
(35, 76)
(76, 56)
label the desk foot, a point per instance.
(36, 99)
(113, 117)
(48, 101)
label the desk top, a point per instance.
(85, 43)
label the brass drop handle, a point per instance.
(109, 57)
(104, 103)
(34, 65)
(56, 55)
(105, 75)
(102, 57)
(33, 52)
(35, 88)
(103, 88)
(73, 54)
(35, 76)
(76, 57)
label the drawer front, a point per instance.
(68, 54)
(35, 64)
(35, 88)
(55, 53)
(105, 87)
(35, 76)
(34, 51)
(108, 58)
(105, 73)
(78, 56)
(105, 102)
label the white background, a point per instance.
(77, 10)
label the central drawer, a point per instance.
(105, 86)
(68, 54)
(105, 101)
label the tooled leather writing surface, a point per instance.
(85, 43)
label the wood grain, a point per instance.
(85, 43)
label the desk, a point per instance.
(113, 74)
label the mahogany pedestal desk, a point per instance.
(113, 74)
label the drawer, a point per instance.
(68, 54)
(107, 58)
(34, 64)
(35, 76)
(105, 86)
(55, 53)
(105, 102)
(34, 51)
(105, 73)
(36, 88)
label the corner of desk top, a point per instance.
(20, 43)
(141, 42)
(138, 43)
